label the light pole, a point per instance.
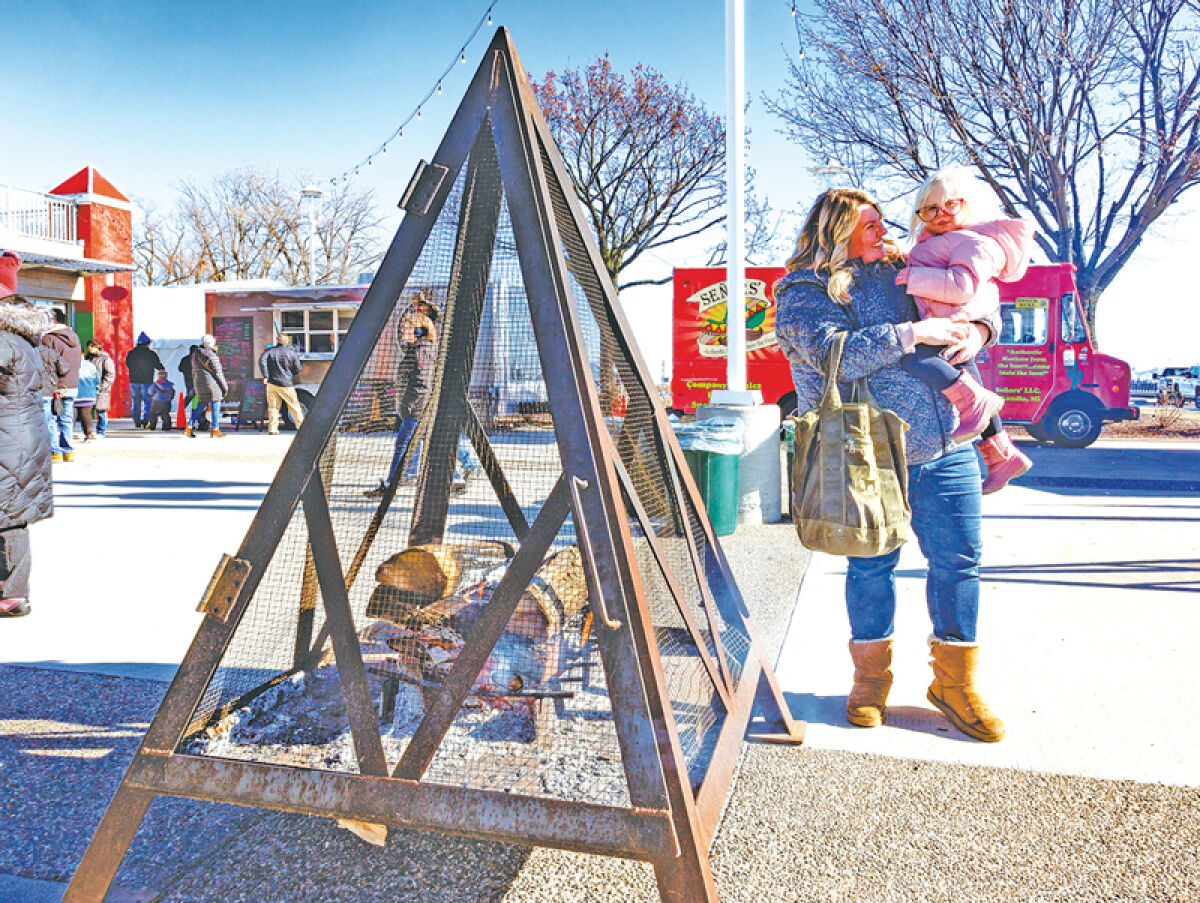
(312, 194)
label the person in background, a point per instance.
(54, 369)
(26, 486)
(211, 388)
(162, 393)
(280, 365)
(417, 336)
(141, 363)
(63, 339)
(107, 370)
(85, 400)
(189, 382)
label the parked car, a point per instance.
(1175, 385)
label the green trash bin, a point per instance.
(716, 477)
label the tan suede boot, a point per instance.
(867, 703)
(953, 691)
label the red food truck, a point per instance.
(1053, 380)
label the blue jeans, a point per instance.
(465, 455)
(59, 426)
(945, 498)
(140, 396)
(200, 408)
(101, 422)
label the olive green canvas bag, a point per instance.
(849, 476)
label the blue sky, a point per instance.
(152, 92)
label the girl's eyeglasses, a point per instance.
(950, 205)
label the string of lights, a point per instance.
(460, 58)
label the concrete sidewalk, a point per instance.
(1088, 636)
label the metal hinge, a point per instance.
(422, 187)
(224, 587)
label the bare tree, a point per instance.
(1085, 114)
(646, 158)
(248, 224)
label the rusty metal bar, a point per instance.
(491, 466)
(645, 725)
(444, 704)
(559, 341)
(113, 836)
(306, 613)
(352, 676)
(479, 218)
(714, 789)
(721, 684)
(491, 815)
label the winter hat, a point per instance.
(143, 339)
(9, 264)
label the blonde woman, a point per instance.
(842, 278)
(955, 262)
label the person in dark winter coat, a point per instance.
(280, 365)
(104, 365)
(209, 381)
(63, 339)
(142, 363)
(26, 489)
(162, 393)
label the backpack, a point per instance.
(849, 475)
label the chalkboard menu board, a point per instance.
(254, 402)
(235, 346)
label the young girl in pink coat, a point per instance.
(952, 271)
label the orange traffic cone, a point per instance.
(181, 414)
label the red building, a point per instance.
(76, 244)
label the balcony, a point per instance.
(36, 217)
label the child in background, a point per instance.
(85, 400)
(160, 396)
(952, 271)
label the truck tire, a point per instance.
(1074, 421)
(1038, 431)
(306, 399)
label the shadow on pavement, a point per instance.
(65, 741)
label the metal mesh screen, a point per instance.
(443, 455)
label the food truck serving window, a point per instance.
(315, 332)
(1024, 321)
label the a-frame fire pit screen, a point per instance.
(502, 613)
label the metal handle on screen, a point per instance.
(585, 542)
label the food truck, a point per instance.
(1053, 380)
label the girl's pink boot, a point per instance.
(1004, 461)
(976, 406)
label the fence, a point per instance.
(32, 214)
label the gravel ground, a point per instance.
(802, 824)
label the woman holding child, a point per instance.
(846, 276)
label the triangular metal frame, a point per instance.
(668, 824)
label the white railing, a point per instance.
(31, 214)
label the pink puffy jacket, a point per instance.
(955, 272)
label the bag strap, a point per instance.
(830, 394)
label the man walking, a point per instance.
(142, 363)
(280, 365)
(63, 339)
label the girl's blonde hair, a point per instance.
(824, 242)
(950, 182)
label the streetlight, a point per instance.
(312, 194)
